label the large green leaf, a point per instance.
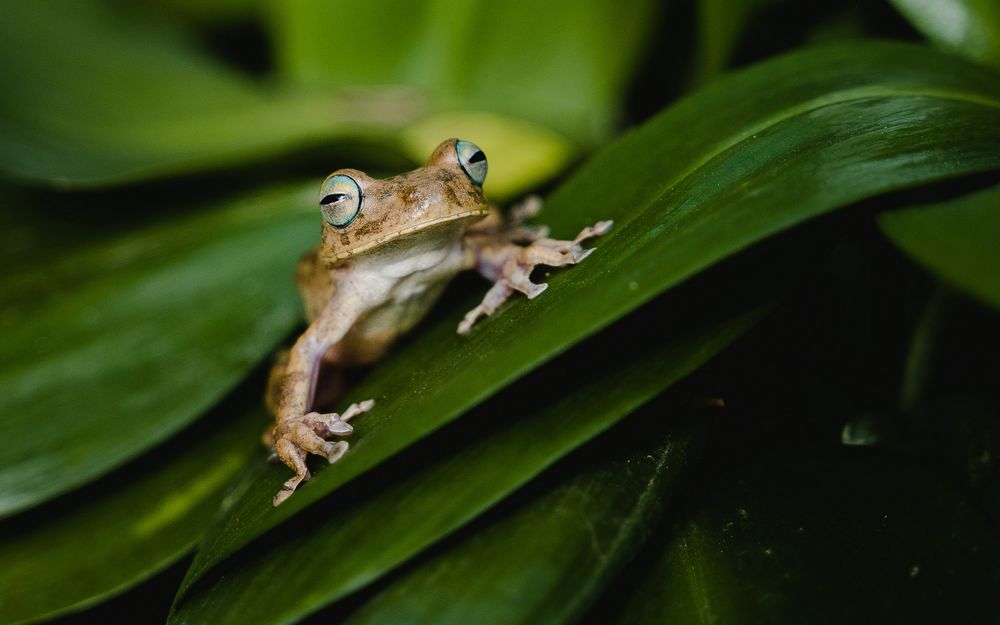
(546, 561)
(968, 27)
(106, 538)
(349, 541)
(824, 538)
(956, 239)
(748, 157)
(95, 97)
(563, 64)
(139, 335)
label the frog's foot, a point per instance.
(297, 437)
(515, 230)
(526, 209)
(512, 266)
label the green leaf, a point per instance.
(817, 538)
(92, 97)
(563, 64)
(546, 561)
(968, 27)
(956, 239)
(78, 551)
(720, 25)
(139, 335)
(812, 132)
(219, 12)
(347, 542)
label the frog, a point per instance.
(387, 250)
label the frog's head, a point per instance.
(361, 213)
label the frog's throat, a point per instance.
(476, 212)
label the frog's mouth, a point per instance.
(424, 225)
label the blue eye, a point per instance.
(472, 160)
(340, 200)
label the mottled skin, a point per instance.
(366, 283)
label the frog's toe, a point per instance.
(602, 227)
(532, 290)
(338, 427)
(295, 458)
(577, 253)
(355, 409)
(334, 451)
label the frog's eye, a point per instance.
(340, 200)
(472, 160)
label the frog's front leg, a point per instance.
(298, 431)
(297, 437)
(498, 257)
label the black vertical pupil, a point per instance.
(477, 157)
(333, 197)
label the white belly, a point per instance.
(400, 295)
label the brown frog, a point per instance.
(388, 249)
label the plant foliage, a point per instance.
(769, 396)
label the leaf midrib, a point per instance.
(809, 106)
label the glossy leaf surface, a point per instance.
(143, 334)
(814, 131)
(105, 538)
(350, 540)
(547, 559)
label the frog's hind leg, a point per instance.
(295, 457)
(272, 394)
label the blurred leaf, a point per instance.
(920, 353)
(347, 542)
(546, 560)
(956, 239)
(78, 551)
(93, 97)
(814, 131)
(521, 155)
(197, 11)
(968, 27)
(140, 335)
(562, 64)
(720, 26)
(817, 539)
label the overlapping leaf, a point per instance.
(109, 537)
(956, 239)
(93, 97)
(549, 558)
(349, 541)
(813, 131)
(139, 335)
(967, 27)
